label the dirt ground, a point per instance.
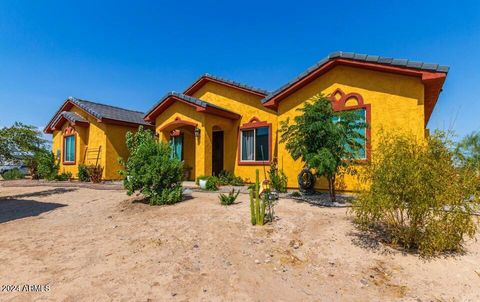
(83, 244)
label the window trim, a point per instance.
(253, 124)
(74, 149)
(340, 105)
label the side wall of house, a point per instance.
(93, 136)
(396, 103)
(116, 148)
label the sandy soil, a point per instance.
(98, 245)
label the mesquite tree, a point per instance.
(325, 140)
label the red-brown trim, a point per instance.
(339, 105)
(205, 79)
(433, 81)
(150, 117)
(252, 124)
(67, 132)
(178, 122)
(123, 123)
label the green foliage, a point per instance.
(64, 176)
(47, 165)
(325, 140)
(278, 179)
(228, 178)
(468, 150)
(418, 198)
(229, 199)
(150, 170)
(257, 204)
(212, 182)
(19, 142)
(13, 174)
(83, 173)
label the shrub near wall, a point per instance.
(151, 171)
(418, 198)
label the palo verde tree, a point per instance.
(467, 150)
(327, 141)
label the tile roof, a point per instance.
(188, 99)
(362, 58)
(101, 111)
(72, 117)
(234, 83)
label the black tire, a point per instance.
(306, 181)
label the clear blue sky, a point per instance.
(131, 53)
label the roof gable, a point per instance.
(198, 104)
(101, 112)
(202, 80)
(432, 75)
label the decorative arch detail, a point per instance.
(69, 130)
(254, 122)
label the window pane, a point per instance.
(361, 154)
(69, 148)
(261, 144)
(247, 144)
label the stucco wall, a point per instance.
(111, 139)
(396, 105)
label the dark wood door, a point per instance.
(217, 152)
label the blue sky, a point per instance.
(131, 53)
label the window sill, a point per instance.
(254, 163)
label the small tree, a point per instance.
(327, 141)
(150, 169)
(418, 197)
(46, 165)
(19, 142)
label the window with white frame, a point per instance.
(255, 144)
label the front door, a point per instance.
(217, 152)
(176, 142)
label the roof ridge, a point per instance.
(102, 104)
(230, 82)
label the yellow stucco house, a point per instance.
(217, 124)
(90, 133)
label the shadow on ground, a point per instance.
(12, 209)
(40, 193)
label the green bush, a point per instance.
(95, 173)
(417, 197)
(150, 170)
(212, 182)
(47, 165)
(15, 173)
(278, 179)
(64, 176)
(228, 178)
(83, 173)
(229, 199)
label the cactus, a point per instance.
(257, 205)
(252, 209)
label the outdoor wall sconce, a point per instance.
(197, 132)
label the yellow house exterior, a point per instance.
(396, 95)
(96, 134)
(217, 124)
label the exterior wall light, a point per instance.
(197, 132)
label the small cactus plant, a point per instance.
(257, 204)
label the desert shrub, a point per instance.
(417, 197)
(64, 176)
(150, 170)
(46, 164)
(229, 199)
(228, 178)
(83, 173)
(95, 173)
(278, 179)
(12, 174)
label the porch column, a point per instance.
(203, 152)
